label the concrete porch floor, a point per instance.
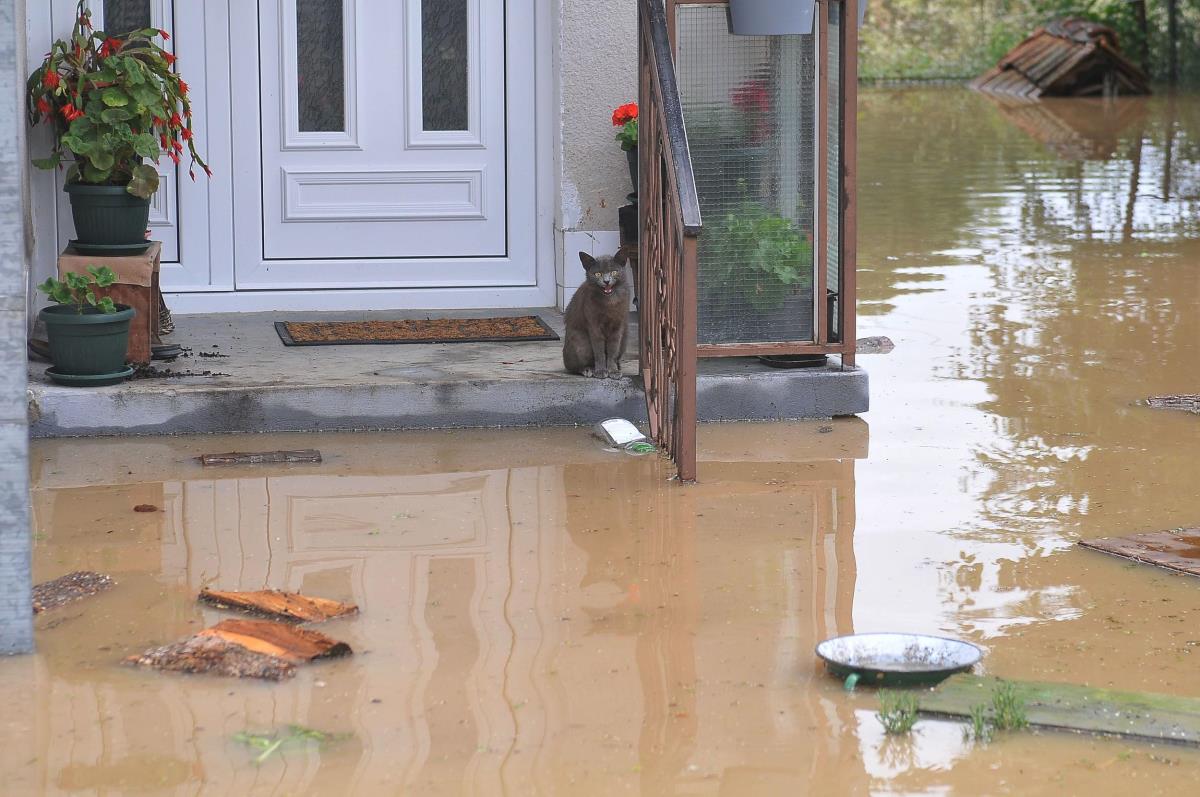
(260, 385)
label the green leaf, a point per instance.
(77, 144)
(47, 163)
(76, 282)
(114, 97)
(144, 182)
(102, 160)
(90, 298)
(93, 175)
(107, 305)
(104, 276)
(114, 115)
(145, 145)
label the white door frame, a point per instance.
(209, 223)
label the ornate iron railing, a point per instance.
(669, 221)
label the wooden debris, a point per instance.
(1178, 549)
(1082, 709)
(68, 589)
(275, 603)
(284, 641)
(878, 344)
(262, 458)
(212, 654)
(145, 508)
(1188, 402)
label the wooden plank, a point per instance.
(1188, 402)
(275, 603)
(1177, 549)
(1081, 709)
(210, 654)
(68, 589)
(283, 641)
(261, 458)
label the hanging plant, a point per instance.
(114, 103)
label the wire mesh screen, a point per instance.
(749, 103)
(833, 168)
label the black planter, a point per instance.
(771, 17)
(108, 216)
(632, 156)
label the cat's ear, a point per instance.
(587, 260)
(621, 257)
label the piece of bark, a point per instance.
(284, 641)
(145, 508)
(261, 458)
(212, 654)
(68, 589)
(276, 603)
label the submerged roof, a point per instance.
(1069, 57)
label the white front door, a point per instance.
(384, 143)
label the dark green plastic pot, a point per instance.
(107, 215)
(88, 343)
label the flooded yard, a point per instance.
(541, 616)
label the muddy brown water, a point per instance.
(540, 616)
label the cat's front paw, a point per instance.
(600, 373)
(614, 374)
(587, 372)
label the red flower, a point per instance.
(752, 97)
(176, 121)
(183, 87)
(187, 134)
(170, 59)
(177, 145)
(156, 122)
(162, 141)
(166, 36)
(173, 157)
(51, 79)
(624, 113)
(70, 112)
(110, 47)
(85, 20)
(43, 106)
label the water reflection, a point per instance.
(578, 627)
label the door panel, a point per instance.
(384, 138)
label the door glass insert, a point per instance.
(123, 16)
(444, 57)
(320, 66)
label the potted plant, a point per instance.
(626, 118)
(755, 268)
(115, 105)
(88, 335)
(771, 17)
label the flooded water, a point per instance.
(540, 616)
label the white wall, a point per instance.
(597, 72)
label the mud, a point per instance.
(539, 616)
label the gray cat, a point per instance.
(597, 319)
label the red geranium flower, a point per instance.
(43, 106)
(170, 59)
(176, 121)
(51, 79)
(187, 134)
(173, 157)
(154, 120)
(183, 87)
(624, 113)
(177, 145)
(70, 112)
(166, 36)
(109, 47)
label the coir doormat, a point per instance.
(431, 330)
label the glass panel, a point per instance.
(749, 104)
(320, 77)
(123, 16)
(444, 59)
(833, 162)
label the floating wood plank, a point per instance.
(68, 589)
(212, 654)
(1188, 402)
(283, 641)
(1177, 549)
(1082, 709)
(288, 605)
(262, 458)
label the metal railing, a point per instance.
(669, 223)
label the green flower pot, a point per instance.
(108, 215)
(91, 343)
